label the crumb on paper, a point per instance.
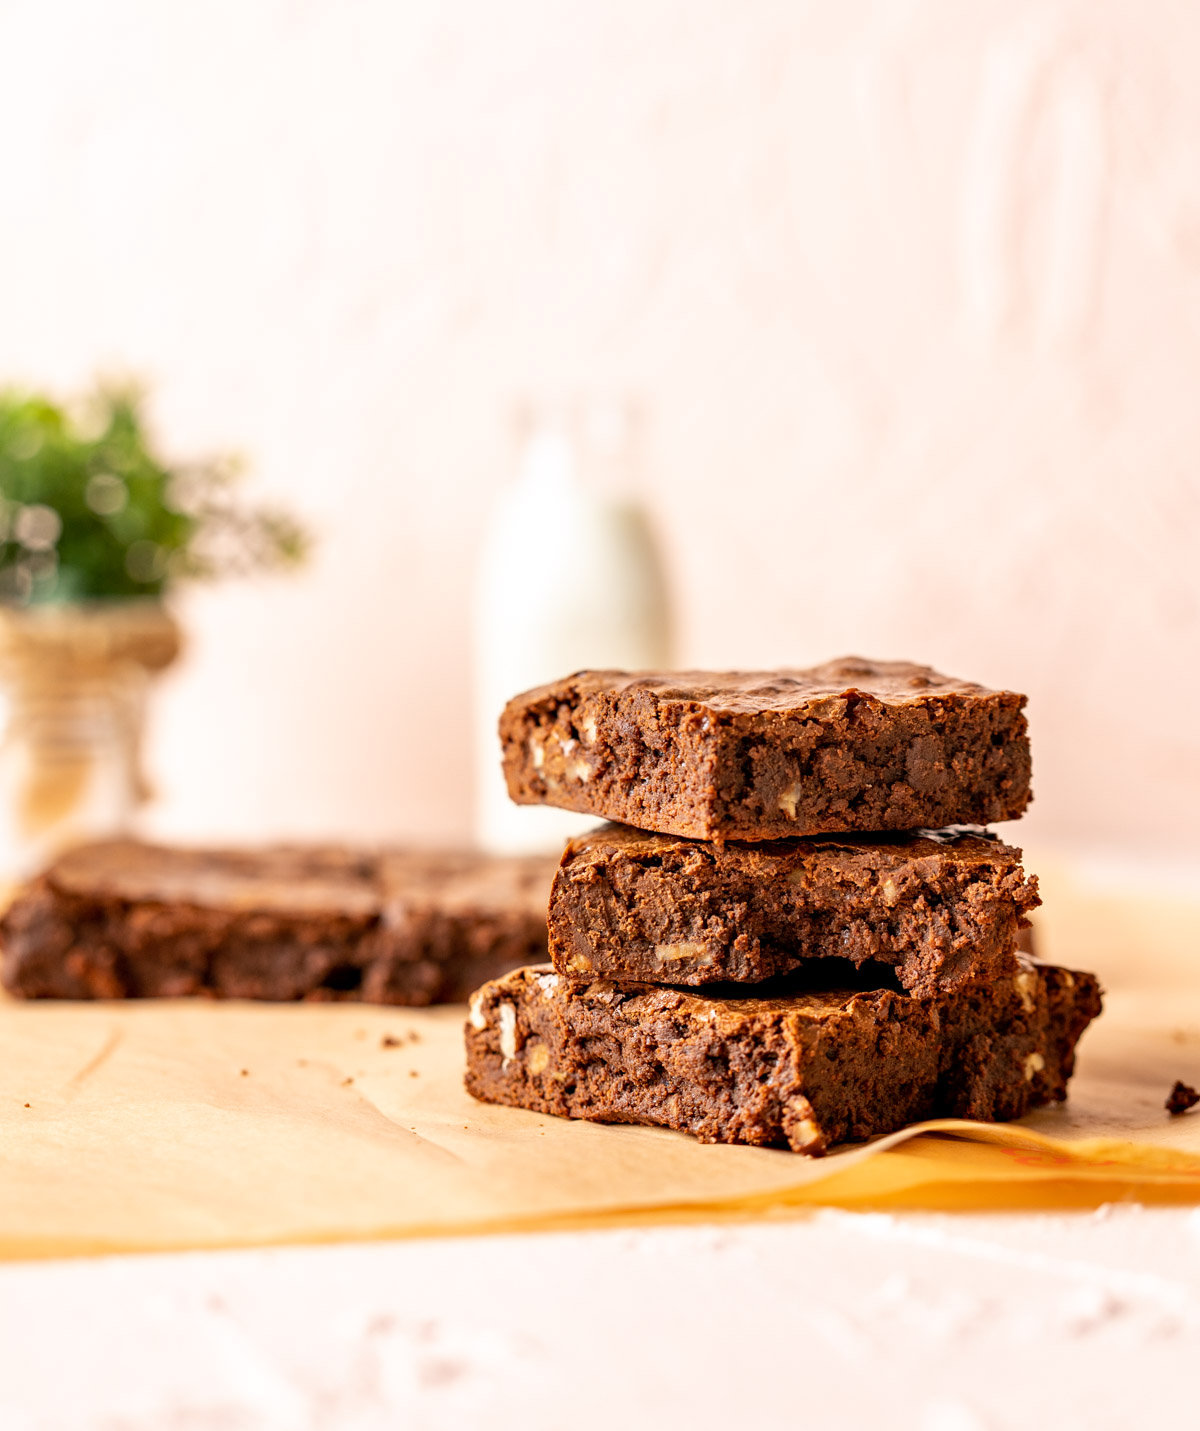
(1181, 1098)
(412, 1073)
(346, 1081)
(245, 1073)
(27, 1105)
(414, 1036)
(390, 1041)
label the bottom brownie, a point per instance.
(795, 1066)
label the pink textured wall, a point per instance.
(911, 291)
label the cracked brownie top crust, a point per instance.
(853, 745)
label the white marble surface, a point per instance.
(929, 1322)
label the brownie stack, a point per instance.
(799, 932)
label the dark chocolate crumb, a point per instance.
(390, 1041)
(1181, 1098)
(27, 1105)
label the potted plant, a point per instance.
(96, 530)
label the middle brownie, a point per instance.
(942, 907)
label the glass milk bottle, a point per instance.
(570, 577)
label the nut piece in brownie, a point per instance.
(943, 907)
(851, 745)
(802, 1068)
(123, 919)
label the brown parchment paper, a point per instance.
(147, 1126)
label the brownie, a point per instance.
(851, 745)
(942, 907)
(799, 1067)
(125, 920)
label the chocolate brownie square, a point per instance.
(853, 745)
(944, 908)
(122, 919)
(796, 1067)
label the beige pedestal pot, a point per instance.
(74, 681)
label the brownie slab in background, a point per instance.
(797, 1067)
(127, 920)
(944, 907)
(853, 745)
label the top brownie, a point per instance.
(853, 745)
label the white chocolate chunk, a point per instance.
(806, 1135)
(537, 1058)
(1034, 1063)
(587, 729)
(508, 1033)
(580, 770)
(477, 1019)
(547, 983)
(670, 953)
(1026, 983)
(787, 801)
(537, 752)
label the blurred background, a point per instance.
(905, 296)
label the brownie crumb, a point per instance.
(412, 1073)
(1181, 1098)
(390, 1041)
(245, 1073)
(27, 1105)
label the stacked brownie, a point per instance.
(799, 932)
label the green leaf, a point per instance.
(171, 524)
